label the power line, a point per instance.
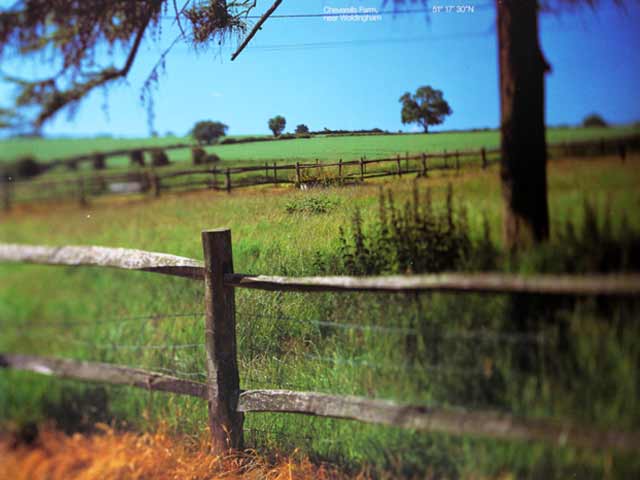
(364, 42)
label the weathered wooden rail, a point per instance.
(155, 181)
(227, 403)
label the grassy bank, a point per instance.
(291, 341)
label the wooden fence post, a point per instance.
(424, 165)
(399, 166)
(298, 174)
(340, 170)
(483, 153)
(446, 160)
(155, 184)
(361, 169)
(602, 146)
(228, 180)
(406, 161)
(5, 183)
(622, 151)
(457, 162)
(275, 174)
(82, 194)
(266, 170)
(223, 380)
(214, 172)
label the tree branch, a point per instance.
(61, 99)
(255, 29)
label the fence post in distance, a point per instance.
(82, 194)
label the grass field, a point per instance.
(94, 314)
(319, 147)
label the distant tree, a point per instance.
(302, 128)
(277, 124)
(208, 131)
(594, 120)
(426, 107)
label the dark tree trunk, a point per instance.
(523, 166)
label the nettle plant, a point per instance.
(413, 238)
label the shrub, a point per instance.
(594, 120)
(198, 155)
(159, 158)
(99, 161)
(301, 129)
(212, 158)
(136, 157)
(311, 205)
(27, 167)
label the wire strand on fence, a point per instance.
(113, 346)
(483, 371)
(98, 323)
(507, 337)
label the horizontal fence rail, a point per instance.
(124, 258)
(450, 421)
(383, 412)
(490, 283)
(103, 372)
(155, 180)
(227, 403)
(618, 284)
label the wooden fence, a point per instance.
(227, 403)
(156, 181)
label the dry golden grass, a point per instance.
(115, 455)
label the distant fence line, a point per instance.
(155, 181)
(227, 403)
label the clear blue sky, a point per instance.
(350, 75)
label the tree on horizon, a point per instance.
(426, 107)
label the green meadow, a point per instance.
(338, 343)
(319, 147)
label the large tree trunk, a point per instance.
(523, 166)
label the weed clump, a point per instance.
(311, 205)
(414, 238)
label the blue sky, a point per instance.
(350, 75)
